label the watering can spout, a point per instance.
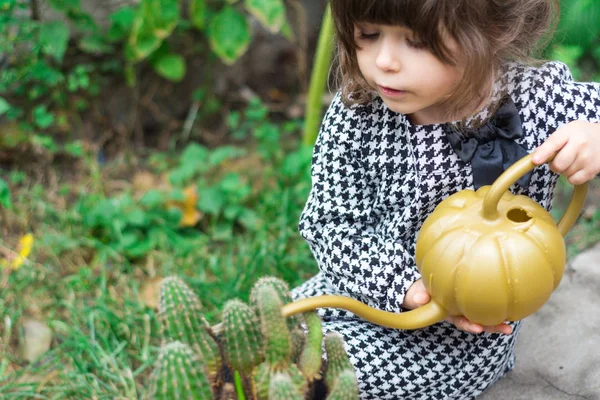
(418, 318)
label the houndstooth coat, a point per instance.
(375, 178)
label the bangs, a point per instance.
(425, 18)
(387, 12)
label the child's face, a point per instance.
(407, 76)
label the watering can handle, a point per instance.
(516, 171)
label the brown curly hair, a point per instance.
(489, 33)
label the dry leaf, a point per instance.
(191, 215)
(150, 292)
(15, 261)
(144, 181)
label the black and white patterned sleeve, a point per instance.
(338, 221)
(563, 100)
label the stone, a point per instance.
(558, 349)
(37, 339)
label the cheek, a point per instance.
(363, 65)
(444, 77)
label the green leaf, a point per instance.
(46, 142)
(287, 32)
(136, 218)
(198, 13)
(121, 23)
(194, 154)
(4, 106)
(170, 66)
(176, 195)
(75, 149)
(229, 34)
(53, 38)
(223, 153)
(152, 198)
(270, 13)
(6, 5)
(154, 21)
(211, 201)
(297, 163)
(66, 5)
(42, 118)
(95, 44)
(166, 15)
(5, 200)
(232, 212)
(179, 176)
(139, 248)
(249, 219)
(142, 41)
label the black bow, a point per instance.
(492, 148)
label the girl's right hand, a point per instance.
(417, 296)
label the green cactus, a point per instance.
(262, 380)
(179, 374)
(180, 318)
(345, 388)
(298, 342)
(282, 388)
(264, 373)
(337, 359)
(241, 337)
(277, 338)
(283, 291)
(311, 357)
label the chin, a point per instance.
(400, 108)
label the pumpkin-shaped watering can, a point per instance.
(488, 255)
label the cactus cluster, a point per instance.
(277, 358)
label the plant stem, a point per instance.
(238, 386)
(318, 80)
(35, 10)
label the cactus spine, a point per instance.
(180, 317)
(283, 292)
(179, 374)
(311, 357)
(298, 342)
(337, 359)
(277, 340)
(282, 388)
(242, 340)
(345, 388)
(263, 376)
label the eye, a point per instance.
(368, 35)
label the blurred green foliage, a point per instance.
(43, 77)
(577, 39)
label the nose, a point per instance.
(388, 56)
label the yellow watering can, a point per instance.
(487, 255)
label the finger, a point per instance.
(580, 177)
(554, 143)
(565, 160)
(465, 324)
(422, 297)
(500, 328)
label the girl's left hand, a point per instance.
(577, 148)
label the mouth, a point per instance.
(390, 91)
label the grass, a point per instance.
(98, 300)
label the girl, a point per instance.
(436, 96)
